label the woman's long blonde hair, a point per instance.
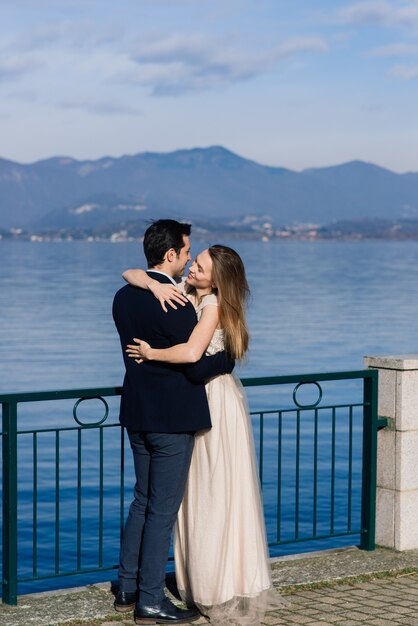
(231, 286)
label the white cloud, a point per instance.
(179, 63)
(107, 107)
(395, 50)
(50, 34)
(381, 12)
(192, 49)
(366, 13)
(406, 72)
(114, 34)
(61, 35)
(169, 64)
(13, 67)
(300, 44)
(24, 95)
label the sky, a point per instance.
(287, 83)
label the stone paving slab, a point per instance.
(325, 588)
(338, 564)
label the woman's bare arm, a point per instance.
(164, 292)
(189, 352)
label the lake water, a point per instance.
(315, 306)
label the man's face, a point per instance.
(182, 258)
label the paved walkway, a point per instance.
(380, 602)
(335, 588)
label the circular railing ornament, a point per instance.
(90, 424)
(307, 406)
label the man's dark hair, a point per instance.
(160, 237)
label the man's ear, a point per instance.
(170, 255)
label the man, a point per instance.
(162, 406)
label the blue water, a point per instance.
(315, 306)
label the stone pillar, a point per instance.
(397, 453)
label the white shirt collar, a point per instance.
(164, 274)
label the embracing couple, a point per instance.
(191, 438)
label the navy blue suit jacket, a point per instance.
(162, 397)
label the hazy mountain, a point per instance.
(210, 183)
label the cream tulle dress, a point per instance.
(220, 547)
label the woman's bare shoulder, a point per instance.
(210, 299)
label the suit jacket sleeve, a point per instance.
(180, 324)
(210, 366)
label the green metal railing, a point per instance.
(268, 421)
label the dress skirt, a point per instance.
(220, 548)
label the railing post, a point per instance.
(368, 497)
(9, 583)
(397, 468)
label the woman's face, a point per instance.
(200, 272)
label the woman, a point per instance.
(220, 545)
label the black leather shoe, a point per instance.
(125, 601)
(164, 613)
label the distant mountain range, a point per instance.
(211, 186)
